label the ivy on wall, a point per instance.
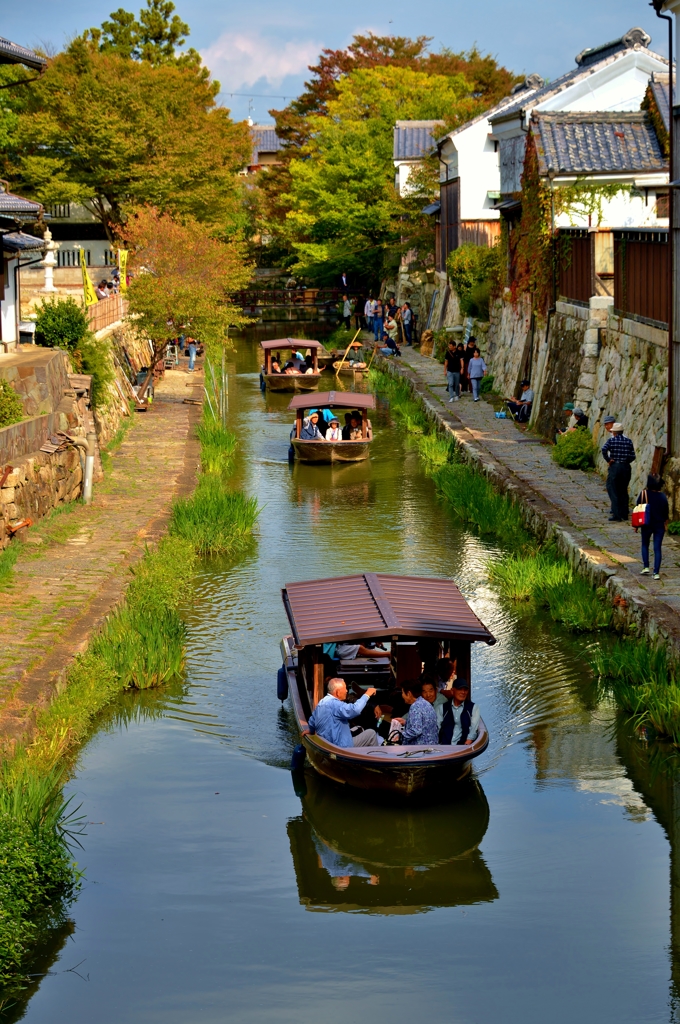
(528, 241)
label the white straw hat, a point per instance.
(617, 428)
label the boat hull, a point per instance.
(331, 451)
(291, 382)
(402, 771)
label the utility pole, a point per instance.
(666, 9)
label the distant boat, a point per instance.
(417, 616)
(290, 381)
(333, 451)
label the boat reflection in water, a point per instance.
(355, 855)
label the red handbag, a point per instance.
(641, 511)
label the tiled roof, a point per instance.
(634, 37)
(597, 143)
(528, 87)
(17, 241)
(414, 139)
(601, 56)
(265, 140)
(658, 83)
(11, 204)
(12, 53)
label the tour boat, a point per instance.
(422, 619)
(332, 451)
(286, 381)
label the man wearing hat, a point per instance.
(521, 409)
(577, 419)
(619, 452)
(609, 422)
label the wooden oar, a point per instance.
(347, 350)
(375, 349)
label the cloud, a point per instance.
(240, 60)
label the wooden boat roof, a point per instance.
(376, 605)
(341, 399)
(290, 343)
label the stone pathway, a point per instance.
(574, 499)
(63, 588)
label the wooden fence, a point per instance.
(574, 256)
(277, 297)
(107, 312)
(641, 273)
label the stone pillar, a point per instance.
(600, 306)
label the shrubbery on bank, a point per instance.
(643, 678)
(142, 644)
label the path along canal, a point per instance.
(213, 893)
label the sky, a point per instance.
(262, 48)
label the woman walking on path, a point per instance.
(476, 370)
(657, 517)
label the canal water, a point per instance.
(542, 890)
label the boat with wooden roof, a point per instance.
(421, 619)
(290, 381)
(333, 451)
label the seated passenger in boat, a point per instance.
(420, 725)
(331, 717)
(433, 697)
(276, 366)
(290, 368)
(460, 723)
(352, 430)
(310, 429)
(308, 365)
(334, 432)
(446, 673)
(348, 652)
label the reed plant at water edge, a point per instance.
(644, 680)
(529, 573)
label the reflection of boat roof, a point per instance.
(339, 399)
(392, 860)
(379, 605)
(290, 343)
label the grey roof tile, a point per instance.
(265, 140)
(17, 241)
(414, 139)
(597, 58)
(11, 204)
(12, 53)
(597, 143)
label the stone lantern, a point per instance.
(49, 261)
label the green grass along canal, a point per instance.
(542, 891)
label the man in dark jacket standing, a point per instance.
(619, 452)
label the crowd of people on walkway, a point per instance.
(392, 325)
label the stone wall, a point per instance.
(39, 376)
(605, 363)
(37, 484)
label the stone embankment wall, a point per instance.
(38, 481)
(588, 355)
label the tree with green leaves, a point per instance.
(154, 36)
(119, 120)
(182, 282)
(343, 211)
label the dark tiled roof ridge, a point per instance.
(558, 84)
(12, 53)
(593, 116)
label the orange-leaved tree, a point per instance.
(183, 281)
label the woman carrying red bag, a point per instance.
(656, 514)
